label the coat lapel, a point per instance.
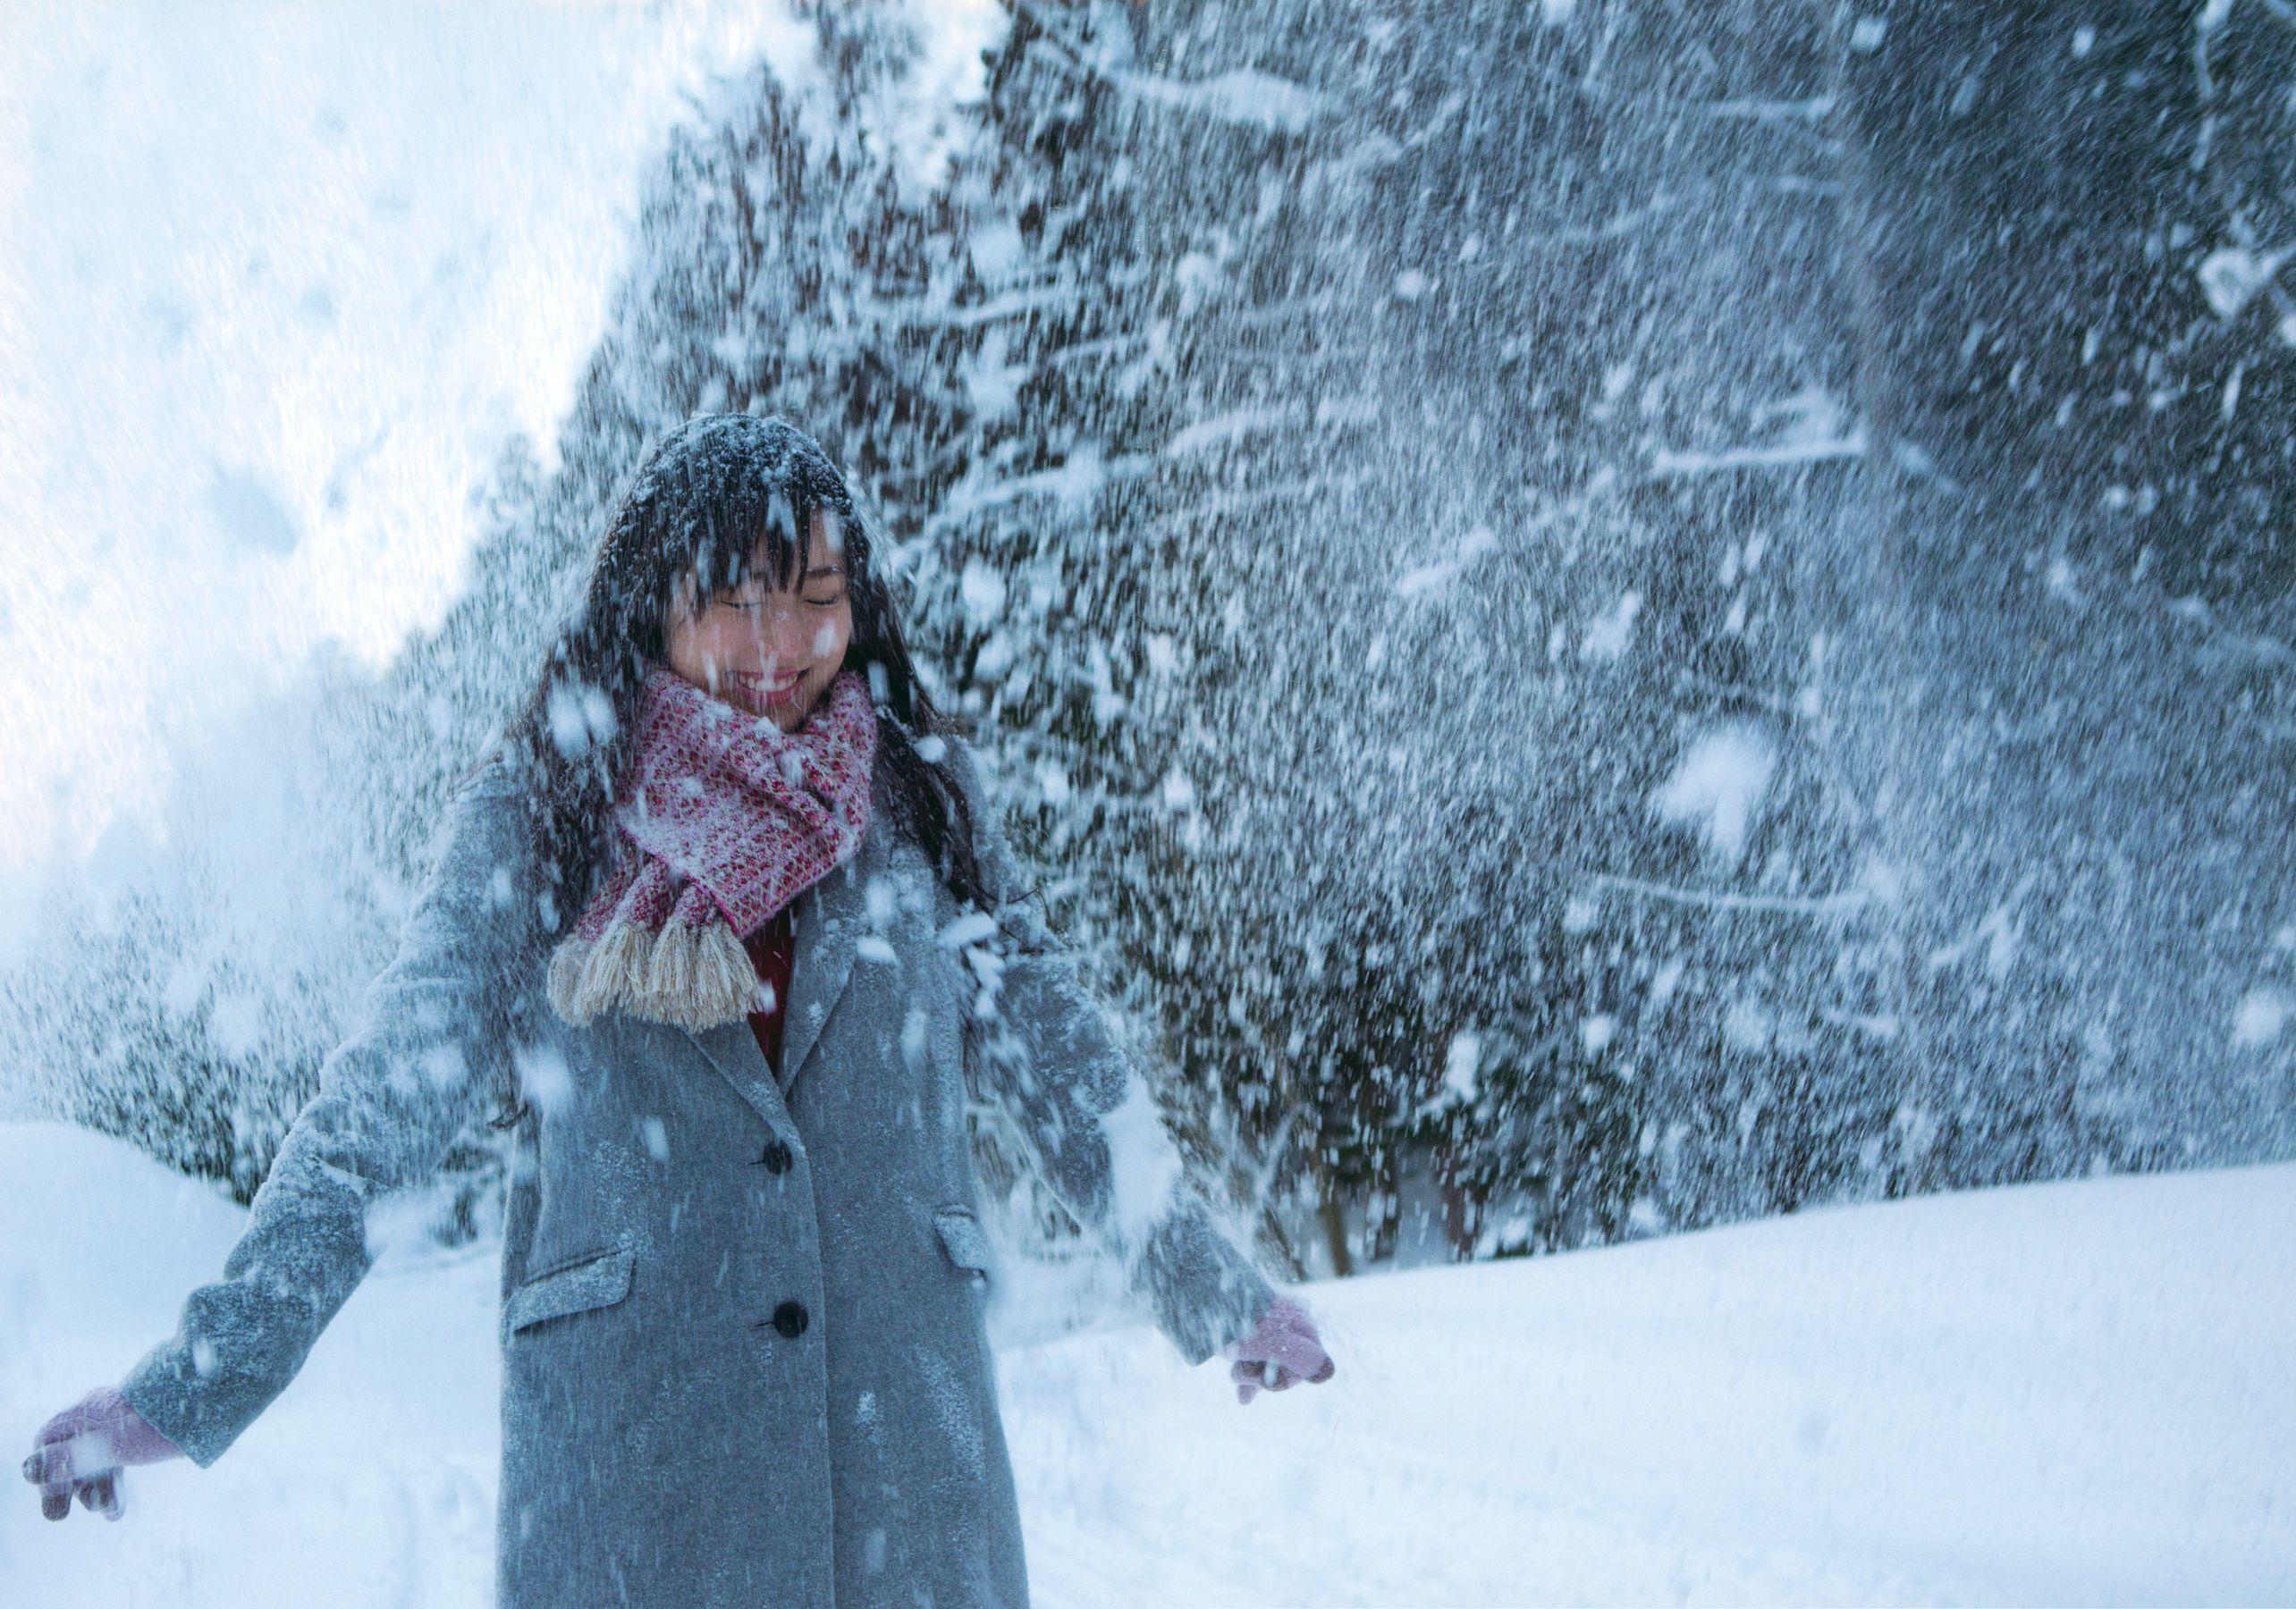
(826, 923)
(732, 1049)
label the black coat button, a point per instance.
(789, 1319)
(776, 1157)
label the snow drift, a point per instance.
(2065, 1392)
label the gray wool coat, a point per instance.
(743, 1353)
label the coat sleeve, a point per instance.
(392, 1099)
(1048, 1054)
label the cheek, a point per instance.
(714, 642)
(830, 638)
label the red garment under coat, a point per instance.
(773, 950)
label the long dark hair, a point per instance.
(698, 504)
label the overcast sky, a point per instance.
(274, 284)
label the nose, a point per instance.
(780, 638)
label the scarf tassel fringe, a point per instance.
(691, 977)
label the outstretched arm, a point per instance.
(392, 1099)
(1049, 1055)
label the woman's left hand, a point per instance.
(1281, 1351)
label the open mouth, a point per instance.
(770, 694)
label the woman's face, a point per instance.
(767, 653)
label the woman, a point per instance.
(743, 1271)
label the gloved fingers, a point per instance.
(1256, 1374)
(102, 1495)
(75, 1459)
(51, 1467)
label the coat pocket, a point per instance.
(964, 1241)
(598, 1280)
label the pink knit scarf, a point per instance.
(727, 820)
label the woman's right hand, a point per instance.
(84, 1448)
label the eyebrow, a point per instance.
(810, 576)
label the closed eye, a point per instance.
(830, 602)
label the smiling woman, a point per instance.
(744, 1356)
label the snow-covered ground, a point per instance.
(2065, 1393)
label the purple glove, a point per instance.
(83, 1448)
(1278, 1354)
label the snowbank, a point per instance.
(2072, 1393)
